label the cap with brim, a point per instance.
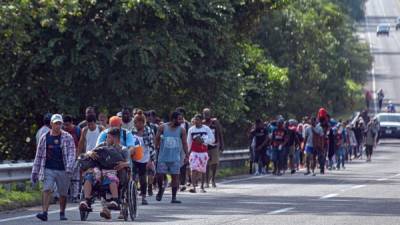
(115, 121)
(56, 118)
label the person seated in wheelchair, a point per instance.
(111, 179)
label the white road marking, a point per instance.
(358, 186)
(243, 179)
(328, 196)
(34, 215)
(387, 178)
(280, 211)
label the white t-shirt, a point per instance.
(146, 150)
(204, 132)
(91, 138)
(128, 126)
(309, 134)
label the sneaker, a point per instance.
(144, 202)
(183, 188)
(84, 206)
(192, 190)
(293, 172)
(42, 216)
(150, 192)
(113, 205)
(105, 213)
(160, 194)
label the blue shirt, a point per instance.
(54, 156)
(128, 141)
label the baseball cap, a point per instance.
(56, 118)
(115, 121)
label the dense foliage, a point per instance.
(244, 59)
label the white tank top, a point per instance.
(91, 138)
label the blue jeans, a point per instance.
(283, 158)
(297, 157)
(340, 156)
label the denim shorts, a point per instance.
(309, 150)
(274, 154)
(172, 168)
(57, 177)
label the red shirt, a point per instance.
(74, 133)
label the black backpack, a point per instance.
(108, 158)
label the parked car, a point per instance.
(389, 125)
(383, 29)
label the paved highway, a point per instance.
(386, 50)
(363, 194)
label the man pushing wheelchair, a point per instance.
(107, 168)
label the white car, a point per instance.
(389, 124)
(383, 28)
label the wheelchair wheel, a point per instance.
(84, 215)
(132, 201)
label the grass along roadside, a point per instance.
(233, 171)
(15, 199)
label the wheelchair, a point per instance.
(127, 194)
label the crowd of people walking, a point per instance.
(187, 151)
(315, 142)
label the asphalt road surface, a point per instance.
(362, 194)
(386, 50)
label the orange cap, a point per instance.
(115, 121)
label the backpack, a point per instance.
(108, 158)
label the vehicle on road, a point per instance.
(389, 125)
(383, 29)
(398, 23)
